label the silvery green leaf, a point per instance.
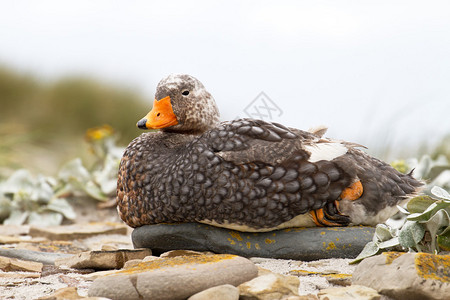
(402, 210)
(16, 217)
(419, 204)
(61, 205)
(106, 178)
(45, 219)
(74, 170)
(439, 174)
(5, 207)
(20, 180)
(389, 243)
(411, 234)
(440, 193)
(94, 191)
(369, 250)
(429, 212)
(42, 192)
(443, 240)
(439, 220)
(383, 233)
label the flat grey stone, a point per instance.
(174, 278)
(46, 258)
(293, 243)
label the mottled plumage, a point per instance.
(247, 174)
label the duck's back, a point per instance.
(251, 175)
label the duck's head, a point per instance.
(182, 104)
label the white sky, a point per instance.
(375, 72)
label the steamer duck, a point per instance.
(247, 174)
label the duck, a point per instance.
(247, 174)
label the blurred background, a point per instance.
(375, 72)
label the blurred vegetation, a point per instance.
(42, 123)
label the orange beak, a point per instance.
(161, 115)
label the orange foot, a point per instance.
(330, 215)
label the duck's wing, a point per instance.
(248, 140)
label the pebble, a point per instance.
(12, 264)
(406, 275)
(77, 231)
(174, 278)
(222, 292)
(269, 286)
(355, 292)
(37, 256)
(295, 243)
(102, 260)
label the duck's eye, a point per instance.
(185, 92)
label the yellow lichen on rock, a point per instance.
(175, 261)
(430, 266)
(391, 256)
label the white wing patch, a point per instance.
(325, 151)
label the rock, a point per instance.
(102, 260)
(294, 243)
(52, 247)
(174, 278)
(174, 253)
(131, 263)
(406, 275)
(43, 257)
(7, 239)
(357, 292)
(77, 231)
(68, 293)
(222, 292)
(13, 275)
(12, 264)
(269, 286)
(14, 230)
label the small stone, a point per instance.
(294, 243)
(222, 292)
(302, 297)
(406, 275)
(151, 258)
(174, 278)
(269, 286)
(14, 275)
(6, 239)
(12, 264)
(77, 231)
(102, 260)
(14, 230)
(30, 255)
(67, 293)
(174, 253)
(131, 263)
(52, 246)
(95, 275)
(109, 248)
(357, 292)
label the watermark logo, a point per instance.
(263, 108)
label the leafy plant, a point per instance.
(426, 228)
(46, 200)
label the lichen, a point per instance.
(391, 256)
(435, 267)
(174, 262)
